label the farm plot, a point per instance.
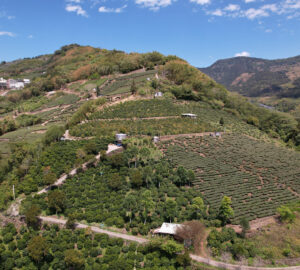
(149, 127)
(167, 107)
(258, 176)
(122, 84)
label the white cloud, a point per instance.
(5, 33)
(74, 1)
(271, 7)
(253, 13)
(217, 12)
(201, 2)
(111, 10)
(30, 36)
(232, 7)
(77, 9)
(249, 1)
(154, 4)
(244, 54)
(3, 14)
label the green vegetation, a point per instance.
(273, 244)
(145, 127)
(32, 166)
(258, 77)
(138, 191)
(123, 84)
(58, 248)
(259, 177)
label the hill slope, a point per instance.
(258, 77)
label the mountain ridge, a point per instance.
(255, 77)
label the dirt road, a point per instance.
(97, 230)
(141, 240)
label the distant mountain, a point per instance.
(256, 77)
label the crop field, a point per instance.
(122, 84)
(167, 107)
(258, 176)
(149, 127)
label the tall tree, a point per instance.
(130, 205)
(198, 207)
(74, 259)
(147, 204)
(37, 248)
(57, 201)
(170, 209)
(225, 210)
(133, 87)
(31, 216)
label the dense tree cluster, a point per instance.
(55, 248)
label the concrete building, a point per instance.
(3, 84)
(120, 137)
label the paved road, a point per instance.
(141, 240)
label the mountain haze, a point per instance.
(256, 77)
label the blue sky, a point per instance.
(200, 31)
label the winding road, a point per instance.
(141, 240)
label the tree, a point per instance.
(49, 178)
(115, 181)
(31, 216)
(130, 205)
(222, 121)
(136, 178)
(37, 248)
(71, 222)
(245, 226)
(53, 134)
(147, 204)
(198, 206)
(184, 259)
(133, 87)
(183, 175)
(191, 177)
(286, 214)
(171, 247)
(225, 210)
(74, 259)
(57, 200)
(170, 209)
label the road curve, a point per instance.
(141, 240)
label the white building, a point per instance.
(168, 228)
(26, 81)
(16, 85)
(120, 137)
(3, 83)
(189, 115)
(158, 94)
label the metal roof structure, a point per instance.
(168, 228)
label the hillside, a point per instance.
(256, 77)
(60, 159)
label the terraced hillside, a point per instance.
(258, 176)
(162, 117)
